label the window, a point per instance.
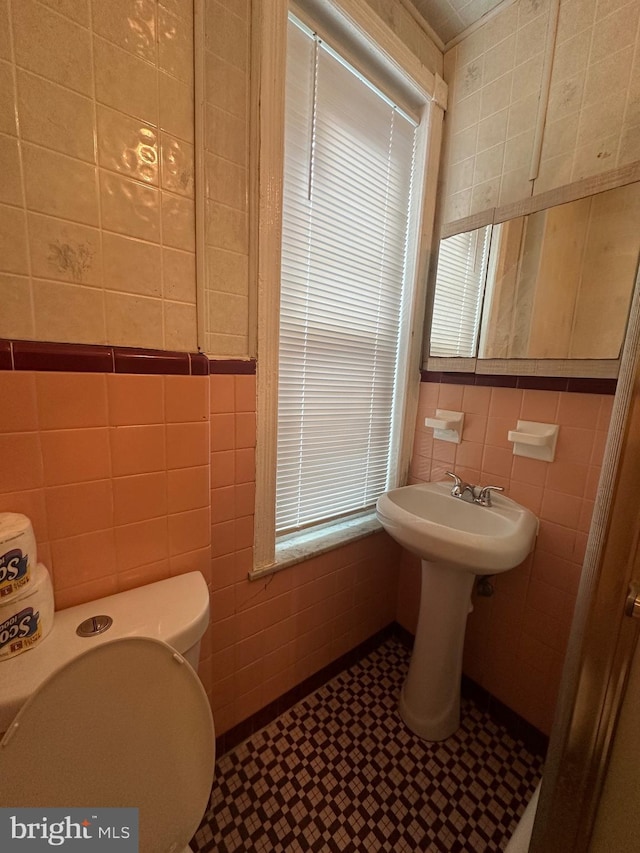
(349, 158)
(457, 306)
(339, 384)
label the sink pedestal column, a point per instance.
(430, 698)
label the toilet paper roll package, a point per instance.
(18, 555)
(26, 619)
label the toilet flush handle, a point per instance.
(94, 625)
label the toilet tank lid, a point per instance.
(175, 610)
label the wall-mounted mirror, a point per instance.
(555, 284)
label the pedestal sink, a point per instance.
(456, 540)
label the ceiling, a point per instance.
(450, 17)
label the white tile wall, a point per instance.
(96, 150)
(495, 77)
(594, 106)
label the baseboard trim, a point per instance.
(519, 728)
(266, 715)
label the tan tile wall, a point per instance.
(495, 79)
(593, 122)
(96, 153)
(516, 640)
(227, 33)
(97, 233)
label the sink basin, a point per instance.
(456, 540)
(427, 520)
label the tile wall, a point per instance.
(227, 44)
(96, 150)
(593, 121)
(129, 479)
(517, 638)
(113, 471)
(495, 80)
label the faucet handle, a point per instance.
(484, 495)
(459, 485)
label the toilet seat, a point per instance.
(126, 723)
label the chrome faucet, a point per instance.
(484, 495)
(478, 494)
(460, 488)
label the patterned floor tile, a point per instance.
(341, 772)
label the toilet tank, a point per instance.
(175, 610)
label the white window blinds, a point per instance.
(462, 268)
(348, 169)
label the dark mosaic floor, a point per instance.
(341, 772)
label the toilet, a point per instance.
(107, 711)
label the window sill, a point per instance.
(305, 544)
